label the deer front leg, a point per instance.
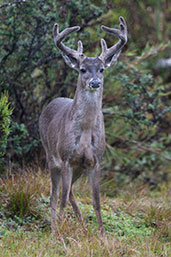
(66, 174)
(55, 181)
(94, 178)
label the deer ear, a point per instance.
(71, 61)
(112, 60)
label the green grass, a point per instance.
(137, 221)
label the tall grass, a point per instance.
(137, 220)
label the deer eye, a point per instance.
(101, 70)
(83, 70)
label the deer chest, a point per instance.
(83, 157)
(84, 150)
(83, 154)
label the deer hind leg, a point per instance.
(66, 174)
(76, 175)
(75, 206)
(94, 178)
(55, 182)
(55, 172)
(76, 209)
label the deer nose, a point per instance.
(95, 84)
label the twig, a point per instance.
(156, 151)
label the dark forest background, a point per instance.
(136, 102)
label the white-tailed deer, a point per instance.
(72, 130)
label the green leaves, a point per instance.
(5, 119)
(134, 116)
(31, 68)
(136, 93)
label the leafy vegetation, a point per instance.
(5, 119)
(136, 94)
(137, 128)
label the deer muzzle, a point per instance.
(95, 84)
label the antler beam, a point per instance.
(60, 36)
(119, 33)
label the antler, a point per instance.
(59, 37)
(113, 52)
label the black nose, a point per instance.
(95, 83)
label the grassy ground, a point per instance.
(136, 220)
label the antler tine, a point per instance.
(60, 36)
(80, 47)
(120, 33)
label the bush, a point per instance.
(5, 119)
(136, 96)
(32, 70)
(20, 144)
(137, 119)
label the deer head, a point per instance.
(91, 68)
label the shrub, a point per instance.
(5, 119)
(137, 119)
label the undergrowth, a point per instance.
(136, 220)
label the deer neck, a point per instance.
(87, 107)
